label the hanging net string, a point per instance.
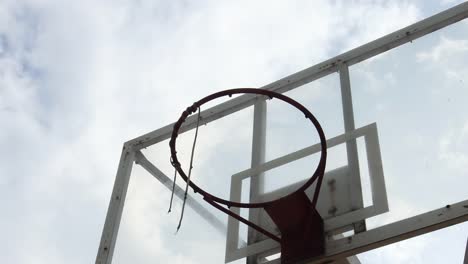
(190, 170)
(173, 189)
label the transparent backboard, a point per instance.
(411, 136)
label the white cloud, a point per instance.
(452, 148)
(408, 251)
(361, 20)
(448, 57)
(77, 79)
(445, 50)
(449, 2)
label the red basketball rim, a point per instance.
(319, 171)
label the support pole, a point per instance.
(116, 205)
(258, 158)
(351, 145)
(466, 253)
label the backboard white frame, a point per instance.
(341, 248)
(377, 183)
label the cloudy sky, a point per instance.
(79, 78)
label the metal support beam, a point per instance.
(317, 71)
(258, 157)
(348, 260)
(394, 232)
(116, 205)
(179, 192)
(351, 145)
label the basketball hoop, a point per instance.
(301, 226)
